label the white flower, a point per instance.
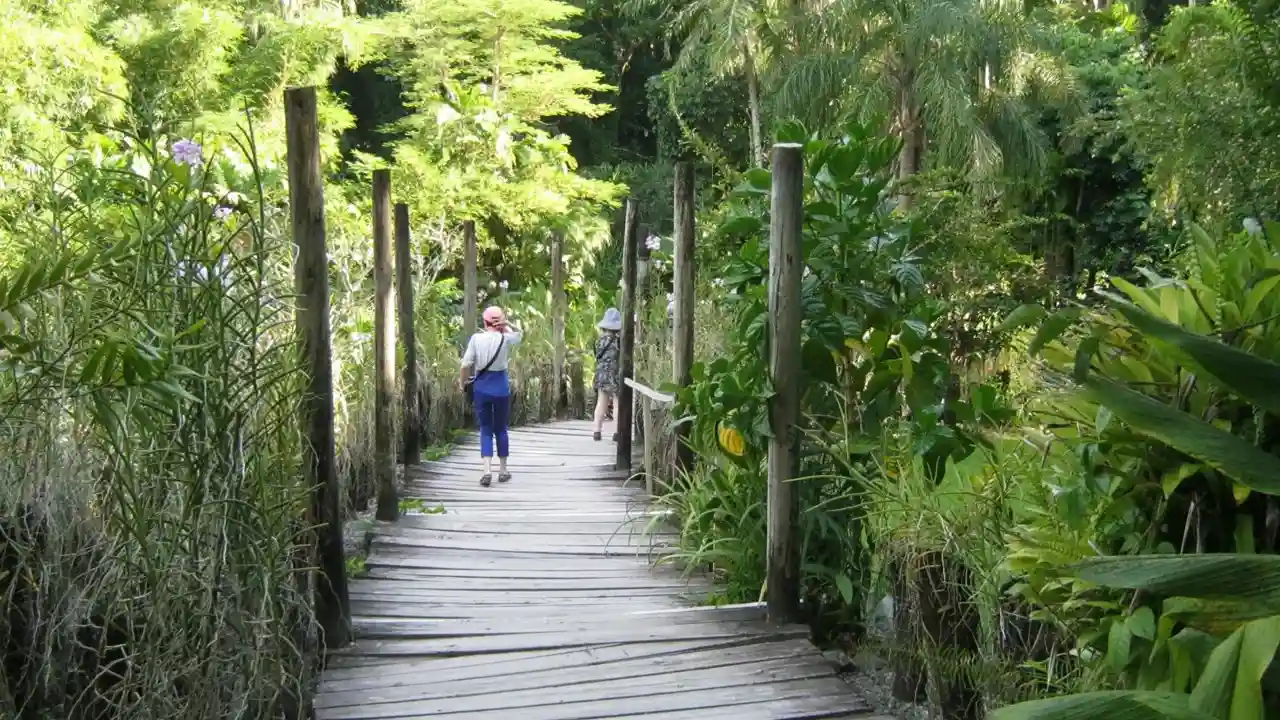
(807, 271)
(504, 284)
(222, 212)
(671, 297)
(1252, 226)
(718, 282)
(653, 242)
(361, 337)
(187, 153)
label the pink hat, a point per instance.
(493, 316)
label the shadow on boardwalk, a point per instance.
(536, 600)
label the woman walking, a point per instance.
(490, 388)
(606, 380)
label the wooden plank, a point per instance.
(550, 640)
(341, 675)
(785, 314)
(411, 442)
(630, 682)
(384, 352)
(406, 686)
(315, 409)
(691, 697)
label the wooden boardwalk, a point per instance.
(536, 600)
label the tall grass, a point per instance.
(151, 498)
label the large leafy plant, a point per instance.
(1178, 381)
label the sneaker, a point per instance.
(615, 437)
(504, 477)
(485, 480)
(595, 436)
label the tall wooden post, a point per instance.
(470, 294)
(642, 304)
(311, 281)
(682, 326)
(412, 419)
(782, 595)
(384, 350)
(557, 323)
(626, 353)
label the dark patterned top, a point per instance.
(606, 379)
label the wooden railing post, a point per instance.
(311, 282)
(384, 350)
(782, 594)
(470, 293)
(642, 304)
(682, 325)
(412, 418)
(557, 323)
(626, 353)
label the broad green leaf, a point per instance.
(1252, 578)
(1142, 623)
(845, 585)
(1254, 378)
(1231, 455)
(1105, 705)
(1257, 650)
(1024, 315)
(1118, 644)
(740, 225)
(1174, 477)
(1212, 694)
(1138, 295)
(1054, 326)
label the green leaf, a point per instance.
(1212, 694)
(845, 585)
(1053, 327)
(740, 225)
(1022, 316)
(1257, 650)
(1255, 379)
(1142, 623)
(759, 179)
(1118, 644)
(1231, 455)
(1252, 578)
(1105, 705)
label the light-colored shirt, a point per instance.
(483, 345)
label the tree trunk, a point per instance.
(912, 133)
(753, 105)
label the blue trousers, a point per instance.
(493, 412)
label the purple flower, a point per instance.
(222, 212)
(187, 152)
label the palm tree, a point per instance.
(727, 35)
(957, 80)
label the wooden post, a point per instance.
(557, 323)
(626, 353)
(785, 266)
(641, 302)
(682, 326)
(412, 442)
(470, 294)
(384, 350)
(311, 282)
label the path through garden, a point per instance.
(539, 599)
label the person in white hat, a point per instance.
(606, 380)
